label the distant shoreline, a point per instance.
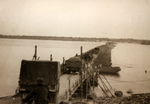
(137, 41)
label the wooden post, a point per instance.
(87, 88)
(66, 94)
(69, 86)
(81, 77)
(63, 63)
(51, 58)
(93, 80)
(35, 54)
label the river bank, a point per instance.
(133, 99)
(10, 100)
(142, 98)
(56, 38)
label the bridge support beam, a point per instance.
(94, 80)
(85, 90)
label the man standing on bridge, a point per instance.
(40, 93)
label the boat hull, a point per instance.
(109, 69)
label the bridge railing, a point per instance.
(68, 93)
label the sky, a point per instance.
(76, 18)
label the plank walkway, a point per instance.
(64, 86)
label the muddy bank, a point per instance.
(133, 99)
(10, 100)
(143, 98)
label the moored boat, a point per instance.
(112, 70)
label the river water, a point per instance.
(133, 59)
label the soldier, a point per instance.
(40, 93)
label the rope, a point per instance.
(106, 88)
(107, 81)
(98, 83)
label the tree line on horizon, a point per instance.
(121, 40)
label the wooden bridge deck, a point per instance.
(68, 85)
(64, 85)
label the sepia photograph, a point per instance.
(74, 51)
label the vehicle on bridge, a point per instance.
(100, 57)
(32, 69)
(73, 64)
